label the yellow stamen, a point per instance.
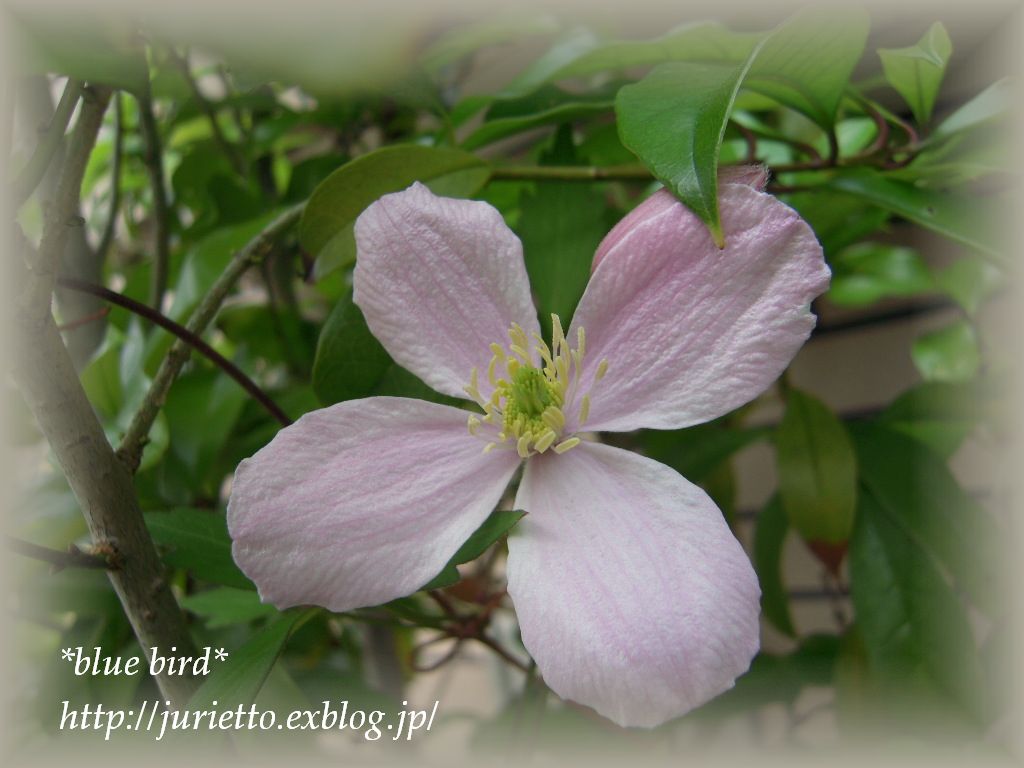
(545, 441)
(584, 409)
(567, 445)
(602, 369)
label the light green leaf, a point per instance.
(948, 354)
(326, 229)
(867, 272)
(994, 102)
(955, 217)
(225, 606)
(493, 528)
(805, 64)
(581, 54)
(237, 680)
(197, 540)
(937, 414)
(969, 282)
(674, 120)
(916, 72)
(817, 470)
(769, 538)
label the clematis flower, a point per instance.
(632, 594)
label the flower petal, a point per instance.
(632, 594)
(362, 502)
(438, 281)
(690, 331)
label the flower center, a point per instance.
(527, 402)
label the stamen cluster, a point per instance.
(527, 403)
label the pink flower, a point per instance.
(632, 594)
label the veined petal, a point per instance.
(690, 331)
(755, 176)
(362, 502)
(439, 280)
(633, 596)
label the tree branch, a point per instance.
(72, 558)
(153, 159)
(102, 486)
(185, 335)
(130, 450)
(52, 136)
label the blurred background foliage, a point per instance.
(204, 144)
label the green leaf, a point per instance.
(326, 229)
(838, 219)
(237, 680)
(969, 282)
(914, 488)
(581, 54)
(948, 354)
(867, 272)
(350, 362)
(197, 540)
(805, 64)
(493, 528)
(542, 108)
(561, 224)
(769, 538)
(916, 72)
(674, 120)
(225, 606)
(915, 632)
(958, 218)
(937, 414)
(695, 452)
(817, 470)
(992, 103)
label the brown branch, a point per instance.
(72, 558)
(48, 382)
(130, 450)
(52, 134)
(99, 314)
(153, 159)
(185, 335)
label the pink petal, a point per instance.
(690, 331)
(362, 502)
(438, 281)
(755, 176)
(633, 596)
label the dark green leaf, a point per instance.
(326, 230)
(867, 272)
(674, 120)
(769, 538)
(561, 224)
(493, 528)
(350, 362)
(696, 451)
(539, 109)
(237, 680)
(917, 72)
(915, 632)
(948, 354)
(224, 606)
(917, 492)
(957, 218)
(806, 63)
(838, 219)
(197, 540)
(817, 470)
